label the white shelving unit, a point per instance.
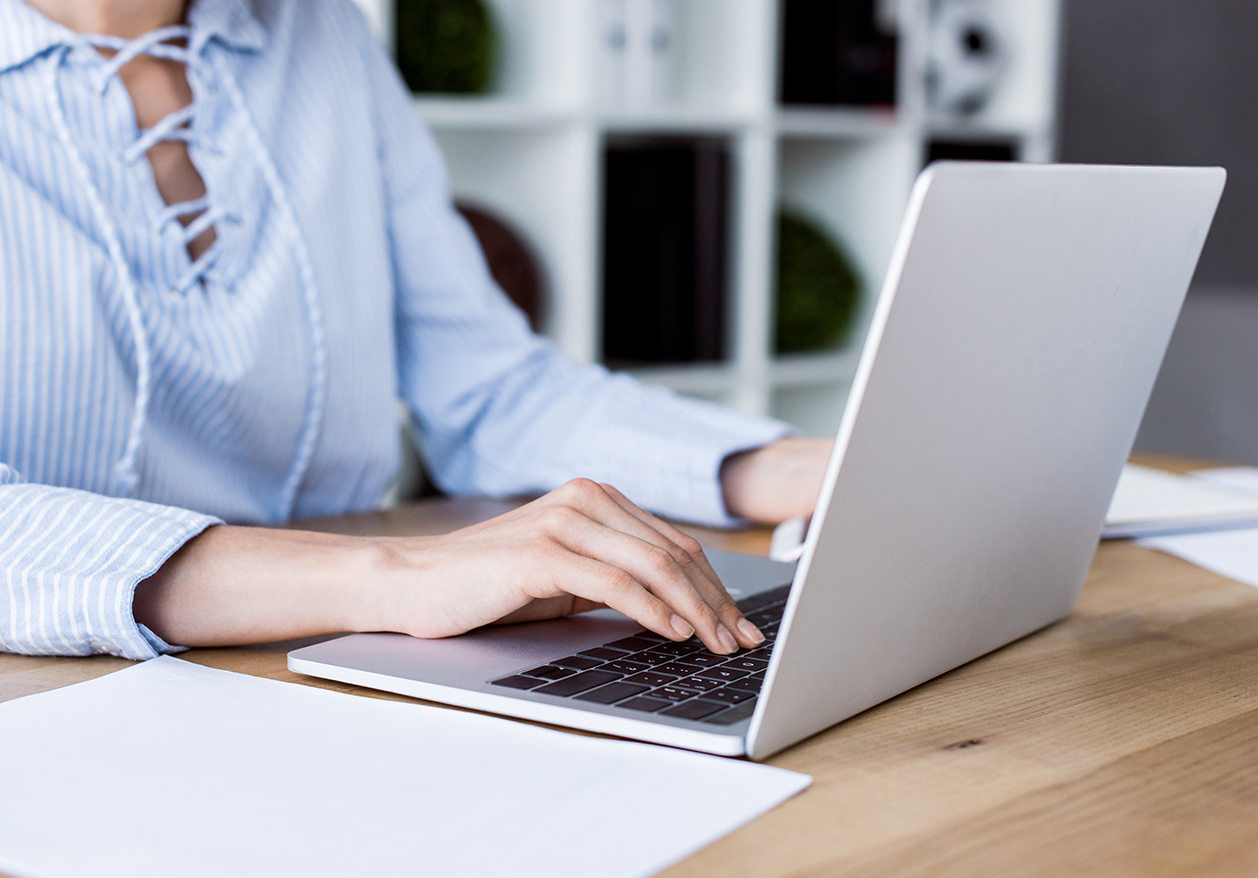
(532, 151)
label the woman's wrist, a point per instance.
(776, 482)
(234, 585)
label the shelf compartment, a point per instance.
(1024, 99)
(838, 54)
(856, 191)
(542, 50)
(725, 52)
(543, 183)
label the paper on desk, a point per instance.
(1240, 478)
(1149, 501)
(169, 768)
(1230, 553)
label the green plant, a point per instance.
(817, 288)
(445, 46)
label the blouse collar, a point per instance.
(26, 33)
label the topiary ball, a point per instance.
(817, 288)
(445, 46)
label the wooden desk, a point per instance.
(1121, 741)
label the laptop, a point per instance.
(1011, 353)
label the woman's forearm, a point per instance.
(233, 585)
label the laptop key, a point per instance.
(693, 709)
(747, 684)
(729, 696)
(579, 683)
(633, 644)
(680, 648)
(765, 598)
(746, 664)
(550, 672)
(702, 684)
(673, 693)
(605, 654)
(646, 705)
(705, 659)
(611, 693)
(517, 682)
(681, 670)
(650, 678)
(722, 673)
(624, 667)
(580, 662)
(733, 715)
(652, 657)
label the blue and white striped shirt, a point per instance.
(145, 396)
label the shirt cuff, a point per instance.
(160, 647)
(137, 641)
(71, 561)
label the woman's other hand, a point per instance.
(776, 482)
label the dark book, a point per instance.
(837, 52)
(665, 234)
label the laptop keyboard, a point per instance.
(649, 673)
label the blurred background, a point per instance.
(1176, 82)
(707, 192)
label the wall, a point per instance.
(1176, 82)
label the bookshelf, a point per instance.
(532, 151)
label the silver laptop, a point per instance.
(1010, 357)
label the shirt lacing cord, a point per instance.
(176, 126)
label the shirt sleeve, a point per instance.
(70, 562)
(500, 411)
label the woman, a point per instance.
(226, 249)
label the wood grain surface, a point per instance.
(1120, 741)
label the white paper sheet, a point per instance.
(1149, 501)
(1237, 478)
(169, 768)
(1230, 553)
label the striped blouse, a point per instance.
(145, 396)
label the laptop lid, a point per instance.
(1011, 355)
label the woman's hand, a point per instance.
(776, 482)
(578, 548)
(581, 547)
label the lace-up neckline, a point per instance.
(171, 43)
(197, 215)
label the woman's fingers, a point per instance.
(600, 523)
(621, 514)
(654, 569)
(599, 582)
